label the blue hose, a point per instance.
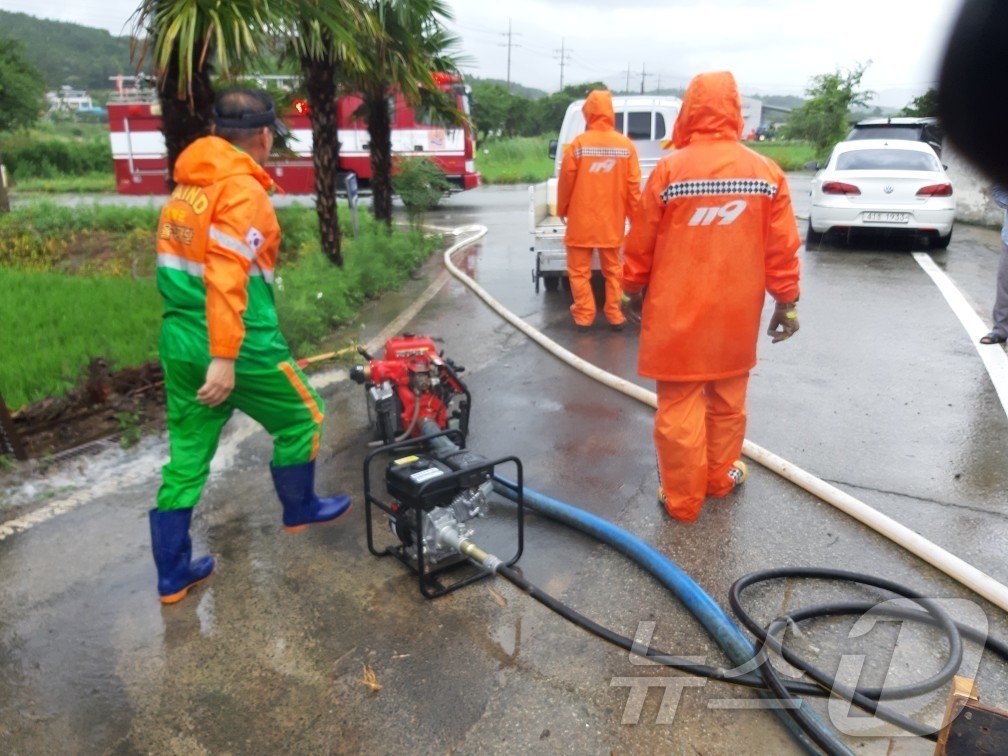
(712, 617)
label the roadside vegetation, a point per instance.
(518, 160)
(78, 283)
(524, 160)
(67, 155)
(789, 155)
(824, 118)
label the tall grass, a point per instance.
(47, 218)
(54, 320)
(520, 160)
(51, 325)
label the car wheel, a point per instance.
(812, 236)
(941, 242)
(551, 282)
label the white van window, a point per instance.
(659, 126)
(619, 122)
(639, 125)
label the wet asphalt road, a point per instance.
(881, 393)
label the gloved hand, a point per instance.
(633, 306)
(783, 322)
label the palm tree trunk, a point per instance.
(184, 121)
(380, 136)
(320, 86)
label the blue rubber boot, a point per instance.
(295, 485)
(172, 547)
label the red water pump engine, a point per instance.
(413, 386)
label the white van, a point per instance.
(648, 121)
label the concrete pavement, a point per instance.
(880, 392)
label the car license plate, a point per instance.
(886, 217)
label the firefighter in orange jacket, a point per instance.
(598, 189)
(714, 232)
(220, 346)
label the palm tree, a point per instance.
(185, 38)
(322, 39)
(409, 46)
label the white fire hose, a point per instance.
(960, 571)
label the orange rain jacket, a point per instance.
(714, 230)
(599, 184)
(217, 245)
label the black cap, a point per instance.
(251, 121)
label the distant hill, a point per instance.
(781, 101)
(67, 53)
(517, 89)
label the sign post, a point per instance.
(350, 183)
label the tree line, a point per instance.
(497, 112)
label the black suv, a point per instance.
(924, 130)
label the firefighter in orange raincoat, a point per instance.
(221, 346)
(598, 189)
(715, 231)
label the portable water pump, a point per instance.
(410, 385)
(419, 409)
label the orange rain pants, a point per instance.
(579, 271)
(698, 434)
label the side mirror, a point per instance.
(553, 149)
(812, 166)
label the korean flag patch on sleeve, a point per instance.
(254, 238)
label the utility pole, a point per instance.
(643, 75)
(509, 55)
(627, 90)
(509, 34)
(564, 57)
(658, 88)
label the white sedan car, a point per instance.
(882, 184)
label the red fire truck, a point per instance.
(138, 148)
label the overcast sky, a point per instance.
(772, 46)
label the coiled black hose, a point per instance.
(865, 698)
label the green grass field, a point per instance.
(90, 183)
(522, 160)
(54, 324)
(73, 288)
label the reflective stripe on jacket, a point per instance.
(599, 183)
(714, 231)
(217, 245)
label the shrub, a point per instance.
(314, 296)
(421, 185)
(31, 157)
